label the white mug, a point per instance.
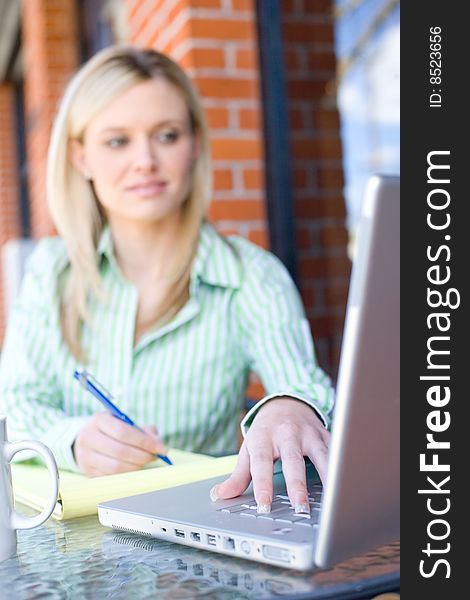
(10, 520)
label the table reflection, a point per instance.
(81, 559)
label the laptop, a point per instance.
(358, 508)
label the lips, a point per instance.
(148, 189)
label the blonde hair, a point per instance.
(72, 202)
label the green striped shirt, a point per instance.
(188, 377)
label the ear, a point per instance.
(77, 157)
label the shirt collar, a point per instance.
(105, 244)
(216, 261)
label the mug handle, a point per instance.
(19, 521)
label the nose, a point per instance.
(145, 158)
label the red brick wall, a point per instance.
(319, 207)
(9, 188)
(49, 41)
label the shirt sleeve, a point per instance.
(279, 344)
(29, 393)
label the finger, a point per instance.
(95, 464)
(293, 469)
(261, 467)
(102, 444)
(132, 436)
(238, 481)
(108, 465)
(153, 432)
(318, 454)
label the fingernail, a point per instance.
(302, 508)
(214, 493)
(263, 505)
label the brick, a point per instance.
(320, 148)
(205, 3)
(308, 32)
(322, 61)
(246, 59)
(300, 178)
(249, 118)
(259, 237)
(237, 210)
(222, 29)
(253, 179)
(330, 178)
(308, 296)
(336, 295)
(218, 118)
(318, 7)
(306, 88)
(326, 118)
(223, 179)
(312, 267)
(236, 149)
(336, 235)
(218, 87)
(320, 326)
(291, 59)
(203, 58)
(296, 118)
(303, 238)
(315, 208)
(288, 7)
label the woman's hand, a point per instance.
(283, 428)
(106, 445)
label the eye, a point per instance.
(116, 142)
(168, 136)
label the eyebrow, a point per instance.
(159, 125)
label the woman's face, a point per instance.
(139, 153)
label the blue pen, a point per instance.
(91, 385)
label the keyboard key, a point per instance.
(282, 520)
(303, 524)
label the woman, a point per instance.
(158, 306)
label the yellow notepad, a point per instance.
(80, 495)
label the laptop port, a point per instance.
(229, 543)
(196, 537)
(211, 540)
(276, 553)
(179, 533)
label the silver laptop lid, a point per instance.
(362, 493)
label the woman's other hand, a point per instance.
(106, 446)
(283, 428)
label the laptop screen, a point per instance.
(361, 497)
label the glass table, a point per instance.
(80, 559)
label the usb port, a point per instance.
(211, 539)
(229, 543)
(179, 533)
(196, 537)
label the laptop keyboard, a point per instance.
(281, 509)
